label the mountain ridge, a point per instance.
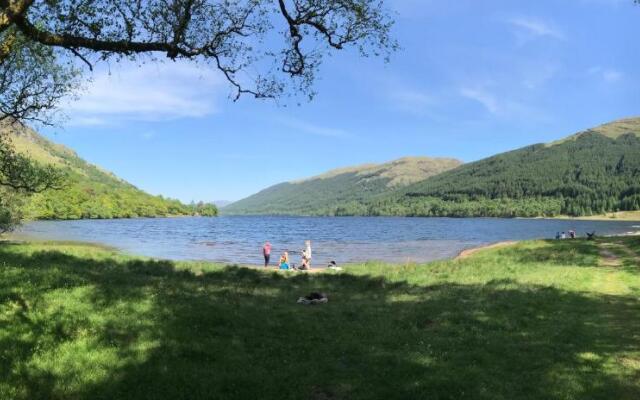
(593, 171)
(317, 194)
(613, 129)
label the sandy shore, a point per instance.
(469, 252)
(276, 269)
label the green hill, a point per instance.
(613, 129)
(342, 190)
(591, 172)
(89, 192)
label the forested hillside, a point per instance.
(592, 172)
(340, 190)
(89, 192)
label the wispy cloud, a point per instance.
(148, 135)
(413, 101)
(502, 103)
(608, 75)
(310, 128)
(151, 92)
(538, 75)
(485, 98)
(528, 28)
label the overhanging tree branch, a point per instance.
(229, 35)
(22, 174)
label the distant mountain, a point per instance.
(613, 129)
(90, 191)
(591, 172)
(221, 203)
(338, 190)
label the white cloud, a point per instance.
(608, 75)
(87, 121)
(151, 92)
(533, 27)
(305, 127)
(502, 103)
(612, 75)
(483, 97)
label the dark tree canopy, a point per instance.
(264, 48)
(19, 177)
(21, 174)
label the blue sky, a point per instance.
(473, 78)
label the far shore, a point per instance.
(617, 216)
(631, 216)
(613, 216)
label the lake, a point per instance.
(343, 239)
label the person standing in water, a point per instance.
(306, 254)
(266, 252)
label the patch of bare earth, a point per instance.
(469, 252)
(614, 254)
(609, 259)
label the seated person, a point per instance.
(284, 261)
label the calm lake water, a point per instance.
(344, 239)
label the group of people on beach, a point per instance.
(564, 235)
(284, 262)
(572, 235)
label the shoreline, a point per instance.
(10, 239)
(621, 216)
(466, 253)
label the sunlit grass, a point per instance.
(538, 320)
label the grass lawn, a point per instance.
(618, 215)
(538, 320)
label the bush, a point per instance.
(10, 214)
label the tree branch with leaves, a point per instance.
(263, 48)
(19, 173)
(19, 178)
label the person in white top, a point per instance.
(306, 255)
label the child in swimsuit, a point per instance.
(284, 260)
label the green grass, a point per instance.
(539, 320)
(619, 215)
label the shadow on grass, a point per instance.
(80, 328)
(627, 250)
(569, 252)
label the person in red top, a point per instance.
(266, 252)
